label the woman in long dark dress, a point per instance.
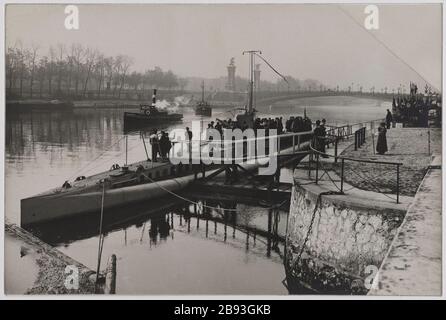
(381, 145)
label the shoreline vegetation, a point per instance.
(75, 71)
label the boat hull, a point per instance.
(203, 112)
(49, 207)
(142, 118)
(133, 120)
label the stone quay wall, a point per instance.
(348, 240)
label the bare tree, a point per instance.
(32, 67)
(126, 63)
(109, 68)
(41, 71)
(89, 63)
(100, 72)
(50, 69)
(85, 68)
(117, 65)
(20, 55)
(10, 63)
(60, 65)
(78, 57)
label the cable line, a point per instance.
(386, 46)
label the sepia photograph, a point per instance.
(223, 149)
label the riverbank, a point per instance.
(34, 267)
(336, 240)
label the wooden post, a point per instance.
(110, 276)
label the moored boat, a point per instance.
(203, 108)
(149, 114)
(120, 185)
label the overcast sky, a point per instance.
(305, 41)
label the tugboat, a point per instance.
(149, 114)
(203, 108)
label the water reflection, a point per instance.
(180, 249)
(162, 218)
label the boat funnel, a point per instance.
(154, 98)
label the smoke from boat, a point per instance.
(181, 100)
(172, 106)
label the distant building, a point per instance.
(230, 85)
(257, 77)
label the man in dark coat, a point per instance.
(389, 119)
(318, 137)
(381, 145)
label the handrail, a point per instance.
(356, 159)
(266, 137)
(343, 159)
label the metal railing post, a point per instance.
(294, 143)
(342, 175)
(356, 140)
(336, 150)
(310, 158)
(317, 167)
(397, 183)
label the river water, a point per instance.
(164, 247)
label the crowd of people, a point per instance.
(161, 145)
(293, 124)
(413, 110)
